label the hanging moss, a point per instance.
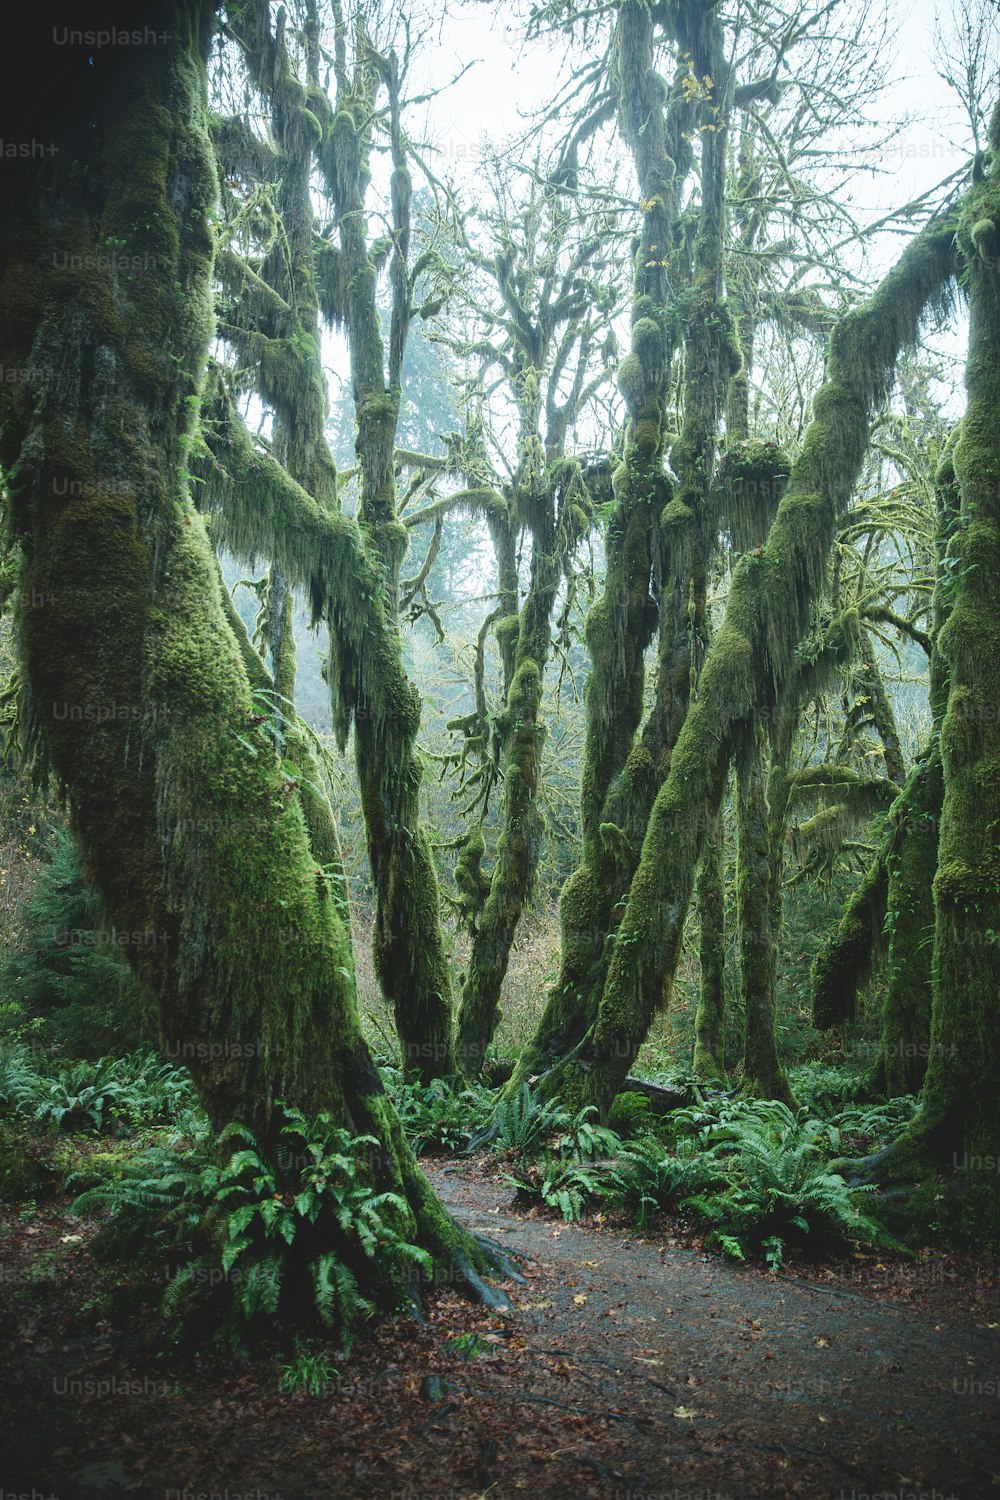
(473, 886)
(187, 820)
(751, 479)
(752, 655)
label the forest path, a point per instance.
(715, 1380)
(632, 1369)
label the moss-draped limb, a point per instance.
(709, 1022)
(324, 838)
(548, 323)
(879, 708)
(257, 508)
(892, 911)
(752, 655)
(711, 358)
(843, 964)
(619, 627)
(138, 684)
(339, 280)
(279, 634)
(914, 825)
(958, 1126)
(518, 849)
(619, 775)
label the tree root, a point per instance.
(476, 1289)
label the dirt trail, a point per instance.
(632, 1370)
(743, 1384)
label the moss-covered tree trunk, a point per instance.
(880, 710)
(750, 661)
(911, 859)
(620, 770)
(547, 323)
(763, 1075)
(709, 1021)
(959, 1123)
(518, 850)
(409, 952)
(892, 910)
(137, 688)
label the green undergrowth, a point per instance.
(104, 1096)
(755, 1177)
(66, 982)
(440, 1117)
(247, 1247)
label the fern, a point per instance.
(587, 1139)
(522, 1123)
(306, 1234)
(438, 1116)
(565, 1187)
(114, 1096)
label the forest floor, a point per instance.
(633, 1368)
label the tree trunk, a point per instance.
(518, 849)
(763, 1075)
(709, 1023)
(892, 909)
(137, 688)
(750, 661)
(959, 1123)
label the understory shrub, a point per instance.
(67, 980)
(108, 1096)
(248, 1244)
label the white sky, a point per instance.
(508, 76)
(507, 79)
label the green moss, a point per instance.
(632, 381)
(676, 514)
(982, 234)
(753, 653)
(844, 962)
(709, 1028)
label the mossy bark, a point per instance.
(410, 957)
(911, 860)
(763, 1075)
(709, 1021)
(958, 1127)
(751, 658)
(518, 848)
(137, 687)
(880, 710)
(550, 502)
(620, 773)
(892, 910)
(842, 966)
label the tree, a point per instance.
(136, 685)
(549, 345)
(750, 661)
(275, 328)
(958, 1127)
